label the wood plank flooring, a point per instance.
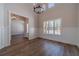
(38, 47)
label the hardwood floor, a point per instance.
(38, 47)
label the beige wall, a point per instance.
(1, 25)
(68, 14)
(77, 42)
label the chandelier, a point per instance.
(39, 8)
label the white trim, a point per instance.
(10, 26)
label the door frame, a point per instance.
(10, 12)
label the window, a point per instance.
(52, 27)
(27, 27)
(50, 5)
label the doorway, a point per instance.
(19, 28)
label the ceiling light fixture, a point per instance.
(38, 8)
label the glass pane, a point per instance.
(27, 28)
(50, 5)
(50, 27)
(58, 27)
(44, 27)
